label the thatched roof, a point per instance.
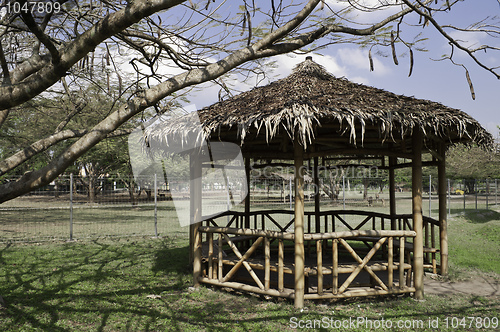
(328, 113)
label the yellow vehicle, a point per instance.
(459, 192)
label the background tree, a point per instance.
(108, 158)
(154, 49)
(473, 163)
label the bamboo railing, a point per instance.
(327, 274)
(328, 221)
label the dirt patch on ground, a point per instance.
(479, 285)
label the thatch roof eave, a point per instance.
(311, 97)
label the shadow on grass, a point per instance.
(481, 216)
(143, 285)
(109, 285)
(170, 259)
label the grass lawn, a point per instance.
(475, 241)
(143, 284)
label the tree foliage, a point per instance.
(473, 163)
(72, 78)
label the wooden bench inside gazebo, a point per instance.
(323, 254)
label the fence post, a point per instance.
(496, 192)
(487, 192)
(343, 189)
(464, 194)
(71, 206)
(449, 198)
(156, 208)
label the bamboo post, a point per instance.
(335, 266)
(418, 250)
(443, 223)
(219, 260)
(210, 255)
(247, 198)
(267, 266)
(319, 257)
(426, 239)
(402, 261)
(390, 262)
(299, 224)
(392, 191)
(195, 201)
(281, 254)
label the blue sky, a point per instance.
(439, 81)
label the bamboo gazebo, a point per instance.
(309, 116)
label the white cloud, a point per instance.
(365, 11)
(467, 39)
(357, 58)
(331, 64)
(362, 4)
(360, 80)
(163, 68)
(286, 63)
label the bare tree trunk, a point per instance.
(91, 189)
(56, 188)
(130, 184)
(131, 192)
(366, 182)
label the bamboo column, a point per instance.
(195, 214)
(392, 191)
(299, 224)
(246, 222)
(443, 223)
(418, 249)
(247, 198)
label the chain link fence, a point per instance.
(74, 207)
(79, 207)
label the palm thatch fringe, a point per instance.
(310, 98)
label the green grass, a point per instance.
(143, 284)
(39, 224)
(474, 241)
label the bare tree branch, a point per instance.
(43, 38)
(43, 144)
(451, 40)
(185, 43)
(49, 74)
